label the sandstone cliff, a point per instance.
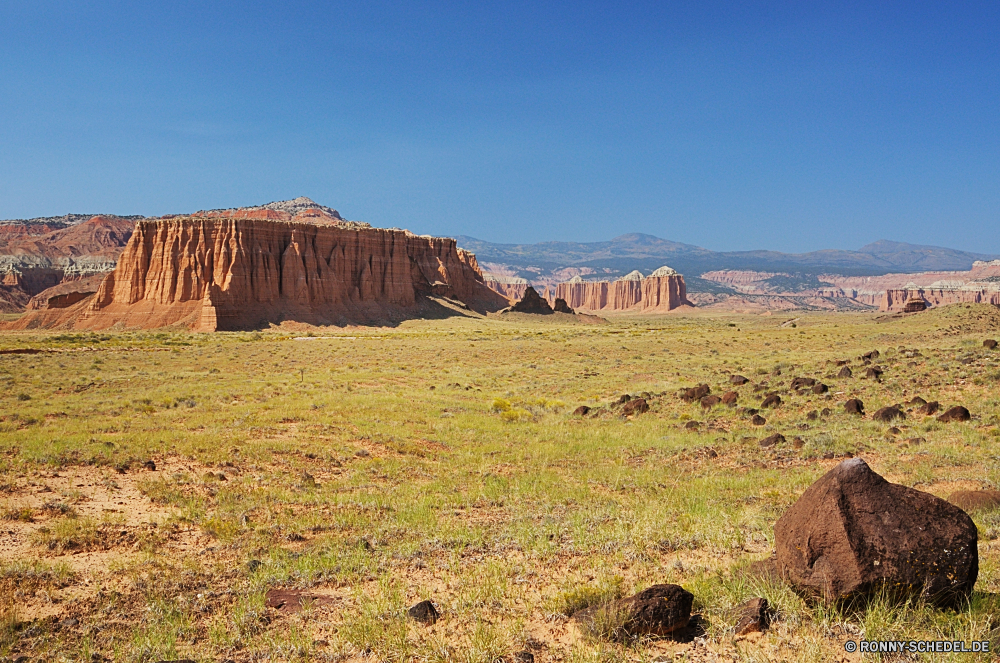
(661, 291)
(219, 273)
(511, 287)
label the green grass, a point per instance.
(346, 472)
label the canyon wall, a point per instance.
(661, 291)
(511, 287)
(219, 273)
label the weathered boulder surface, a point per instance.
(957, 413)
(221, 273)
(854, 406)
(657, 610)
(852, 534)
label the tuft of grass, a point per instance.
(570, 601)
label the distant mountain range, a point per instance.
(548, 262)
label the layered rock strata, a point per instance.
(511, 287)
(661, 291)
(219, 273)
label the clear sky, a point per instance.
(789, 126)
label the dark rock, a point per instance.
(692, 425)
(658, 610)
(150, 465)
(820, 388)
(893, 430)
(928, 409)
(799, 383)
(758, 420)
(976, 500)
(842, 362)
(887, 414)
(874, 373)
(624, 398)
(710, 401)
(798, 443)
(581, 411)
(695, 393)
(845, 372)
(854, 406)
(750, 411)
(729, 398)
(957, 413)
(424, 612)
(990, 344)
(635, 406)
(772, 440)
(524, 657)
(253, 565)
(825, 412)
(562, 307)
(813, 415)
(754, 616)
(771, 400)
(916, 401)
(853, 534)
(871, 356)
(531, 302)
(738, 379)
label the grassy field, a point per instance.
(288, 495)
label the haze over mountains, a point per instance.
(551, 262)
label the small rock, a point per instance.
(893, 431)
(624, 398)
(916, 401)
(772, 440)
(424, 612)
(635, 406)
(709, 402)
(738, 379)
(812, 415)
(799, 383)
(845, 372)
(798, 443)
(957, 413)
(825, 412)
(758, 420)
(695, 393)
(729, 398)
(658, 610)
(928, 409)
(854, 406)
(692, 425)
(887, 414)
(874, 373)
(150, 465)
(755, 617)
(870, 356)
(990, 344)
(820, 388)
(524, 657)
(772, 400)
(581, 411)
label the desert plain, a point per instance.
(289, 494)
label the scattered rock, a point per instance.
(635, 406)
(424, 612)
(976, 500)
(581, 411)
(758, 420)
(562, 307)
(957, 413)
(874, 373)
(887, 414)
(916, 401)
(695, 393)
(845, 372)
(754, 616)
(658, 610)
(750, 411)
(825, 412)
(990, 344)
(150, 465)
(854, 406)
(772, 440)
(871, 356)
(800, 383)
(531, 302)
(524, 657)
(928, 409)
(624, 398)
(813, 415)
(738, 379)
(820, 388)
(853, 534)
(893, 430)
(710, 401)
(729, 398)
(771, 400)
(798, 443)
(692, 425)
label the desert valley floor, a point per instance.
(289, 494)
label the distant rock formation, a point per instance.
(661, 291)
(511, 287)
(531, 303)
(220, 273)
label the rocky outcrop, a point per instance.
(531, 303)
(661, 291)
(511, 287)
(219, 273)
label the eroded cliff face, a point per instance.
(511, 287)
(661, 291)
(215, 273)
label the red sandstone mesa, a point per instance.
(661, 291)
(220, 273)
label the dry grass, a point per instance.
(440, 459)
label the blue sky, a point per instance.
(787, 126)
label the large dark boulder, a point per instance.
(854, 406)
(771, 400)
(801, 383)
(853, 534)
(738, 379)
(635, 406)
(695, 393)
(562, 307)
(845, 372)
(532, 303)
(887, 414)
(657, 610)
(957, 413)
